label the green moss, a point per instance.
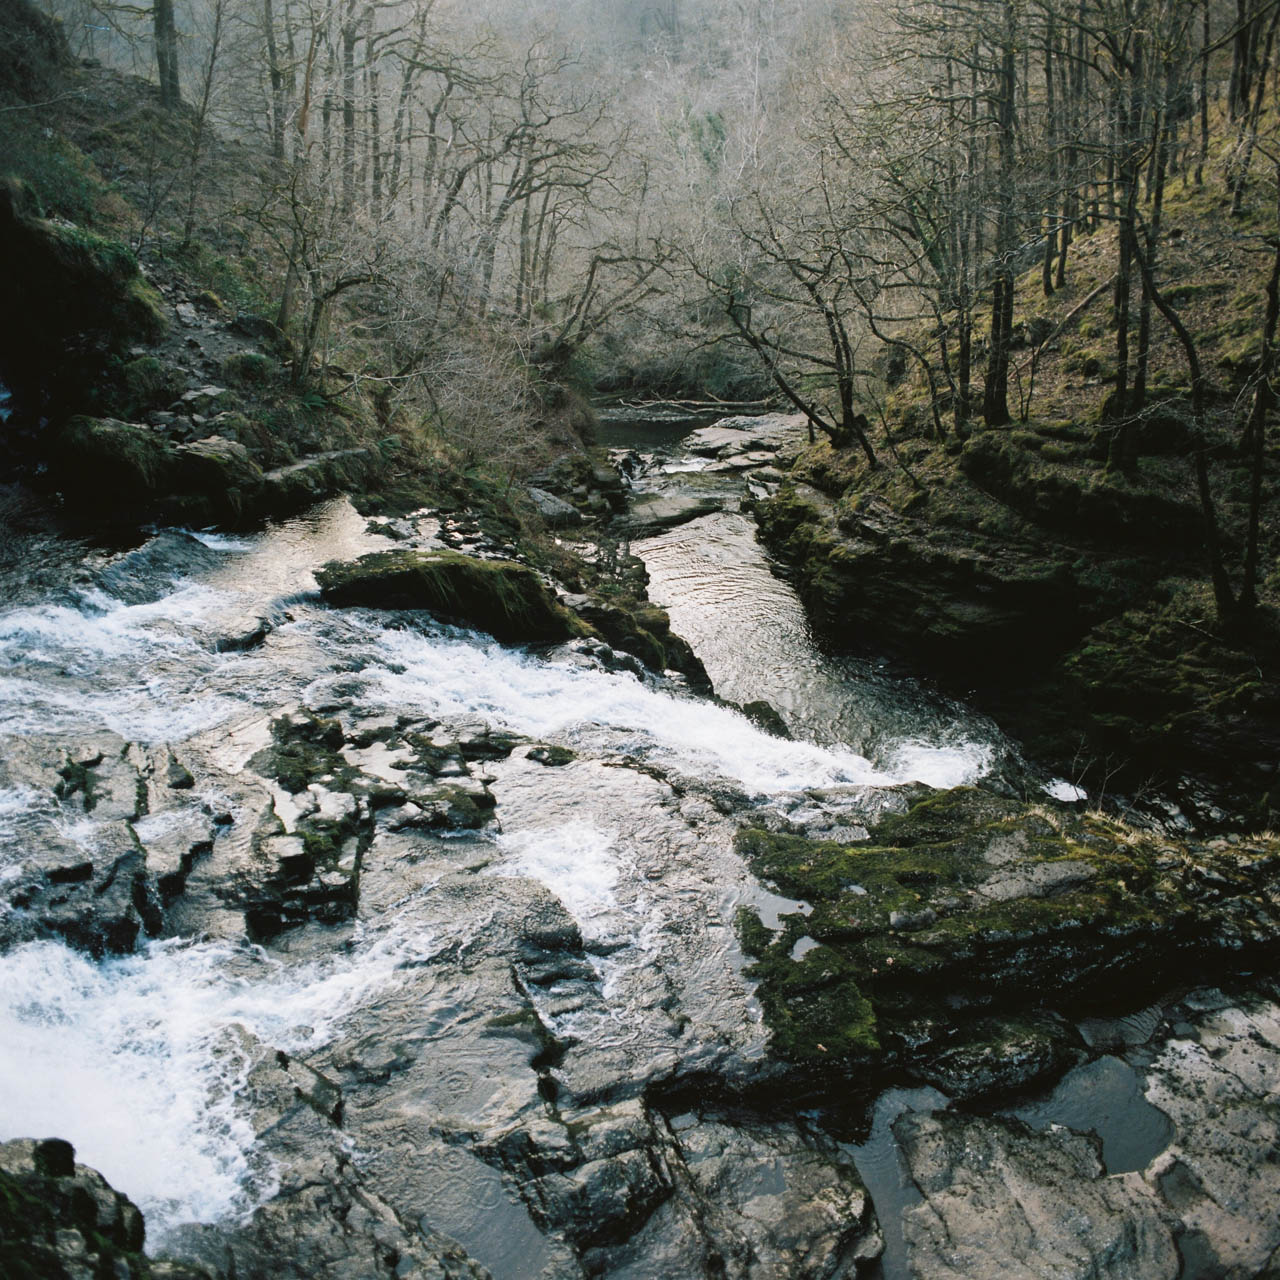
(815, 1009)
(304, 749)
(78, 778)
(965, 905)
(148, 383)
(754, 935)
(58, 173)
(104, 461)
(249, 368)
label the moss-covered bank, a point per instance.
(1071, 602)
(955, 940)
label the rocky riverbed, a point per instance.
(353, 942)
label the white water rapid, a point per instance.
(139, 1060)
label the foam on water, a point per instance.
(220, 541)
(1067, 792)
(577, 861)
(19, 803)
(940, 764)
(98, 626)
(451, 675)
(138, 1061)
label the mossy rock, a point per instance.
(249, 368)
(967, 923)
(62, 1219)
(1077, 501)
(102, 462)
(502, 597)
(644, 630)
(73, 297)
(304, 748)
(1162, 691)
(220, 478)
(767, 717)
(147, 382)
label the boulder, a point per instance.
(1048, 1211)
(102, 462)
(72, 297)
(555, 512)
(221, 471)
(506, 599)
(62, 1219)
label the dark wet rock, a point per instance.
(976, 606)
(504, 598)
(60, 1220)
(223, 471)
(767, 717)
(971, 910)
(178, 776)
(1047, 1211)
(779, 1204)
(80, 873)
(107, 463)
(300, 484)
(1000, 1199)
(760, 1199)
(644, 630)
(999, 1056)
(324, 1220)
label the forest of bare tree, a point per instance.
(801, 201)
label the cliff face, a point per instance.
(1072, 602)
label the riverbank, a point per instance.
(1072, 604)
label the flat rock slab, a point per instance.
(743, 434)
(653, 511)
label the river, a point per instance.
(420, 1004)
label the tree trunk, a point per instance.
(995, 400)
(350, 34)
(277, 81)
(1264, 399)
(166, 37)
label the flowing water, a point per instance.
(195, 641)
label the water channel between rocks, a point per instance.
(421, 1005)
